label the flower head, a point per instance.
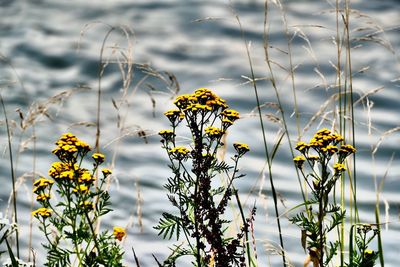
(174, 116)
(41, 184)
(339, 167)
(167, 135)
(68, 145)
(86, 178)
(43, 212)
(81, 189)
(299, 161)
(106, 172)
(214, 132)
(179, 152)
(347, 150)
(99, 158)
(119, 233)
(42, 197)
(230, 114)
(241, 148)
(302, 147)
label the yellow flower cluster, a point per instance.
(325, 143)
(230, 115)
(214, 132)
(174, 115)
(61, 170)
(119, 233)
(339, 167)
(68, 145)
(299, 161)
(66, 172)
(98, 158)
(41, 184)
(167, 135)
(43, 212)
(106, 172)
(241, 148)
(179, 152)
(201, 99)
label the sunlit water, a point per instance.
(48, 47)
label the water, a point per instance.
(47, 49)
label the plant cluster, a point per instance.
(194, 188)
(361, 255)
(321, 216)
(71, 202)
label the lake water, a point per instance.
(51, 47)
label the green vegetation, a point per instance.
(212, 222)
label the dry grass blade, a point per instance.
(383, 136)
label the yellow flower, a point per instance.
(214, 132)
(43, 212)
(179, 152)
(67, 174)
(226, 122)
(41, 184)
(316, 143)
(347, 149)
(86, 178)
(230, 114)
(183, 101)
(98, 158)
(337, 137)
(42, 197)
(323, 131)
(106, 171)
(69, 148)
(299, 161)
(167, 134)
(330, 149)
(302, 147)
(81, 145)
(81, 189)
(339, 167)
(241, 148)
(119, 233)
(313, 157)
(174, 115)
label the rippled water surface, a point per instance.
(53, 48)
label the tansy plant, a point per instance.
(197, 190)
(360, 255)
(71, 203)
(322, 162)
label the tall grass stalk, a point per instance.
(12, 173)
(32, 194)
(266, 149)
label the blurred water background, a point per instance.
(53, 48)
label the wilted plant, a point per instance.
(71, 204)
(321, 215)
(194, 188)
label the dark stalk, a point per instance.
(12, 172)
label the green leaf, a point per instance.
(12, 257)
(169, 225)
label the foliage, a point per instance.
(320, 216)
(193, 188)
(361, 256)
(68, 223)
